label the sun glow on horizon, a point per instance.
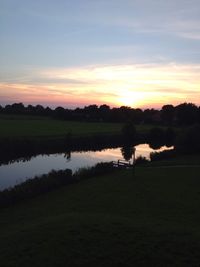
(115, 85)
(131, 99)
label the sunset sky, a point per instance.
(139, 53)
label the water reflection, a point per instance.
(127, 152)
(67, 155)
(21, 169)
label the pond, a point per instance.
(22, 169)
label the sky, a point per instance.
(74, 53)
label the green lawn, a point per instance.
(17, 126)
(21, 126)
(151, 219)
(186, 160)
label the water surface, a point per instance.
(20, 170)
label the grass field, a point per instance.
(186, 160)
(21, 126)
(17, 126)
(151, 219)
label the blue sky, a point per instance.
(75, 53)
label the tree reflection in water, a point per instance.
(127, 152)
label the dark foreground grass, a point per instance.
(151, 219)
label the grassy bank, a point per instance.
(151, 219)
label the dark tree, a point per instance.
(59, 113)
(91, 112)
(167, 114)
(104, 112)
(186, 113)
(39, 109)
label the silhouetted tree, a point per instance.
(30, 110)
(48, 111)
(91, 112)
(7, 109)
(59, 113)
(186, 113)
(17, 108)
(167, 114)
(104, 108)
(39, 109)
(151, 116)
(104, 112)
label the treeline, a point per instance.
(183, 114)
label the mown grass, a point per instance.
(179, 160)
(19, 126)
(151, 219)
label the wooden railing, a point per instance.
(122, 164)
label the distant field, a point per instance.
(24, 126)
(21, 126)
(186, 160)
(151, 219)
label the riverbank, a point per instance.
(151, 219)
(21, 136)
